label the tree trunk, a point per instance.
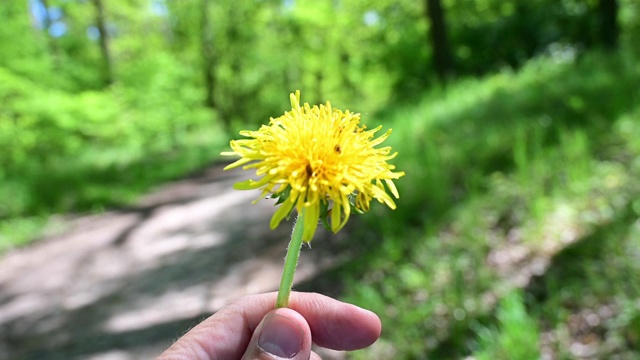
(208, 60)
(104, 42)
(440, 44)
(608, 18)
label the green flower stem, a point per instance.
(291, 262)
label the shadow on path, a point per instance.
(125, 284)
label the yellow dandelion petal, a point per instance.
(321, 156)
(251, 184)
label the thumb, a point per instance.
(282, 334)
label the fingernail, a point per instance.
(281, 336)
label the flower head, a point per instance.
(314, 157)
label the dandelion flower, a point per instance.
(313, 158)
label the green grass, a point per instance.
(503, 173)
(515, 337)
(96, 180)
(590, 294)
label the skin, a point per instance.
(250, 328)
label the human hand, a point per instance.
(250, 329)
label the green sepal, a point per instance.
(281, 196)
(283, 212)
(324, 214)
(352, 201)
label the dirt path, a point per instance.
(123, 285)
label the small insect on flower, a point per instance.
(319, 159)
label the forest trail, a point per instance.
(124, 284)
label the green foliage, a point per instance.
(23, 50)
(629, 19)
(66, 152)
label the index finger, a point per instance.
(226, 334)
(337, 325)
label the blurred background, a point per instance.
(517, 234)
